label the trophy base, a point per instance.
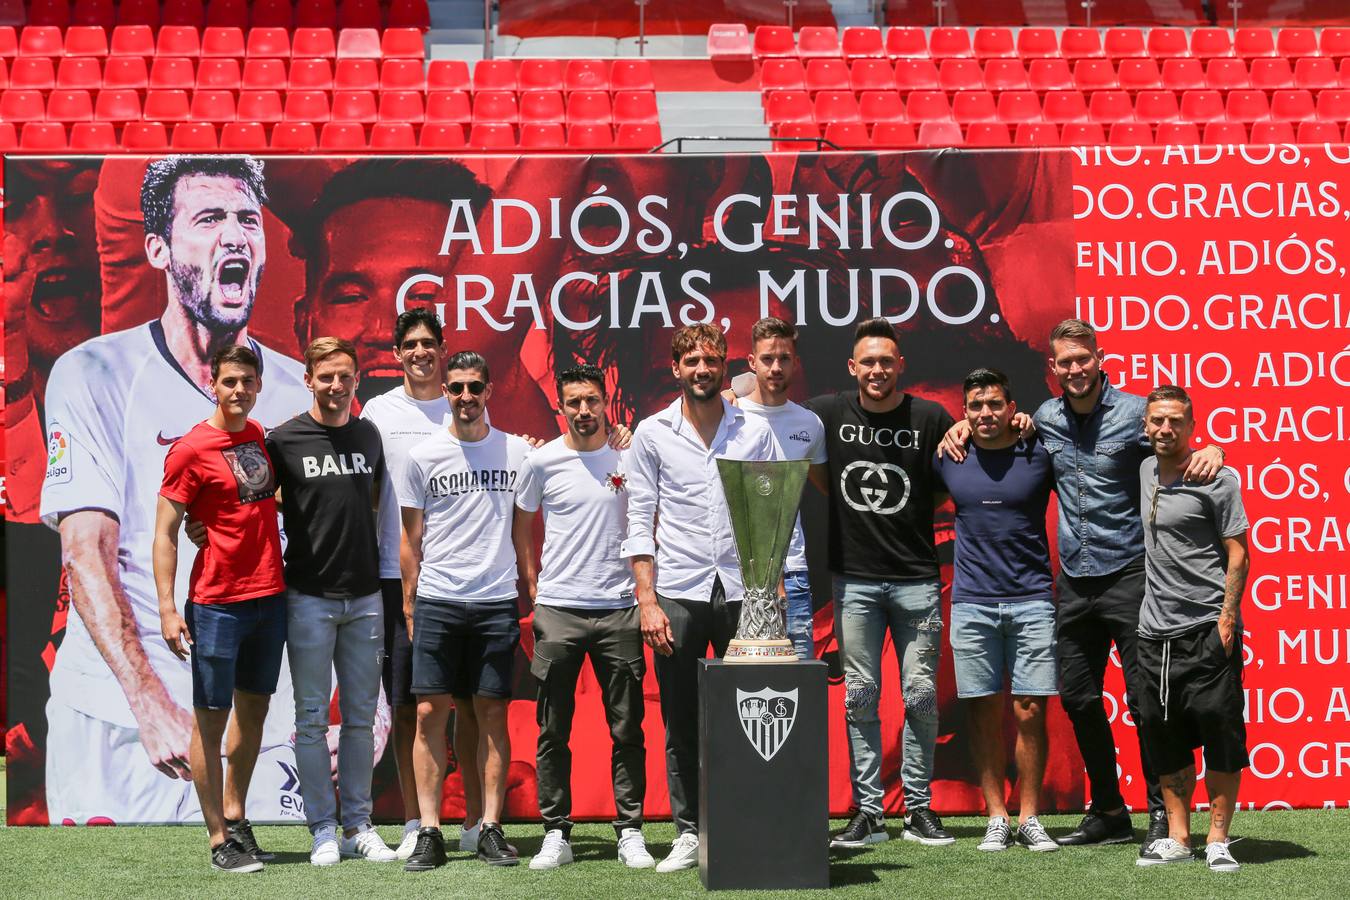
(739, 651)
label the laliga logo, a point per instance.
(766, 718)
(56, 448)
(872, 490)
(58, 457)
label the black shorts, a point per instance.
(464, 648)
(1192, 697)
(397, 673)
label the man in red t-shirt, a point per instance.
(235, 618)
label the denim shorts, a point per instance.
(989, 639)
(235, 646)
(464, 648)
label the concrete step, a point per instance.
(703, 101)
(677, 45)
(564, 47)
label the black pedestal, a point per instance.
(763, 806)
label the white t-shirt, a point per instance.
(466, 490)
(114, 406)
(800, 435)
(585, 501)
(404, 422)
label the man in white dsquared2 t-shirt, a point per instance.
(118, 719)
(459, 576)
(583, 606)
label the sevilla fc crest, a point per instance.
(766, 718)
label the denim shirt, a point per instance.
(1097, 480)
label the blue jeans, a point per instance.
(865, 610)
(346, 636)
(800, 629)
(989, 639)
(235, 647)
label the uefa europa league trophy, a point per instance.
(762, 498)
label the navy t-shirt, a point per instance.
(1002, 555)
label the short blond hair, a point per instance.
(1074, 330)
(320, 349)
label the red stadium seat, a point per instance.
(906, 43)
(132, 40)
(41, 40)
(83, 72)
(631, 75)
(1037, 43)
(894, 135)
(635, 107)
(1345, 72)
(1064, 106)
(788, 106)
(916, 75)
(539, 75)
(1207, 43)
(1332, 106)
(145, 137)
(1131, 134)
(393, 137)
(98, 14)
(994, 43)
(495, 106)
(1019, 106)
(589, 137)
(1183, 75)
(1314, 73)
(32, 73)
(1227, 75)
(117, 105)
(1111, 106)
(1295, 43)
(49, 14)
(1049, 75)
(540, 135)
(1095, 75)
(359, 15)
(94, 137)
(42, 137)
(974, 106)
(1168, 43)
(871, 75)
(4, 74)
(302, 106)
(263, 75)
(1225, 133)
(927, 106)
(194, 136)
(267, 43)
(1140, 75)
(311, 75)
(448, 75)
(1005, 75)
(837, 106)
(848, 135)
(179, 41)
(774, 40)
(783, 134)
(172, 73)
(1124, 43)
(402, 43)
(1318, 133)
(316, 14)
(22, 106)
(166, 106)
(227, 14)
(353, 106)
(542, 106)
(357, 42)
(860, 42)
(356, 75)
(213, 106)
(271, 14)
(815, 41)
(492, 136)
(219, 74)
(637, 136)
(940, 134)
(1292, 106)
(9, 42)
(960, 75)
(259, 106)
(1036, 134)
(1272, 74)
(294, 137)
(586, 75)
(402, 75)
(1272, 133)
(881, 106)
(826, 75)
(947, 43)
(1253, 42)
(782, 74)
(1178, 133)
(1336, 41)
(342, 136)
(988, 134)
(1247, 106)
(188, 13)
(494, 75)
(1077, 43)
(1077, 134)
(441, 136)
(1202, 106)
(448, 107)
(729, 41)
(137, 14)
(1156, 106)
(70, 106)
(87, 40)
(411, 15)
(311, 43)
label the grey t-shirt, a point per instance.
(1184, 558)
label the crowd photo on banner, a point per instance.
(386, 490)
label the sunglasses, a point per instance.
(455, 388)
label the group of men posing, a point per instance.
(638, 549)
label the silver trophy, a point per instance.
(762, 499)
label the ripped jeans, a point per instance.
(864, 610)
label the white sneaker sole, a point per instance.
(542, 865)
(665, 867)
(876, 837)
(325, 862)
(241, 870)
(393, 858)
(927, 842)
(993, 848)
(1224, 867)
(648, 863)
(1144, 861)
(1042, 848)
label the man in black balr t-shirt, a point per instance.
(330, 467)
(879, 480)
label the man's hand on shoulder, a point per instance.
(620, 436)
(1205, 465)
(954, 442)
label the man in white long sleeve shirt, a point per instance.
(678, 525)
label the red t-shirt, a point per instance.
(227, 483)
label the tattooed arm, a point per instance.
(1234, 585)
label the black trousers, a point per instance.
(696, 626)
(1094, 612)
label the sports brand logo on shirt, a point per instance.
(802, 436)
(252, 472)
(881, 488)
(59, 457)
(766, 718)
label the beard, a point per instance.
(194, 291)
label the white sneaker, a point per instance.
(633, 850)
(325, 851)
(468, 836)
(367, 845)
(1219, 858)
(997, 835)
(683, 854)
(1164, 851)
(554, 852)
(409, 842)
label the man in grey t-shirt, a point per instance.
(1190, 632)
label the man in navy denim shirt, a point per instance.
(1095, 436)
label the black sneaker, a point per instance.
(493, 848)
(1157, 829)
(241, 833)
(429, 853)
(924, 826)
(230, 857)
(863, 829)
(1097, 828)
